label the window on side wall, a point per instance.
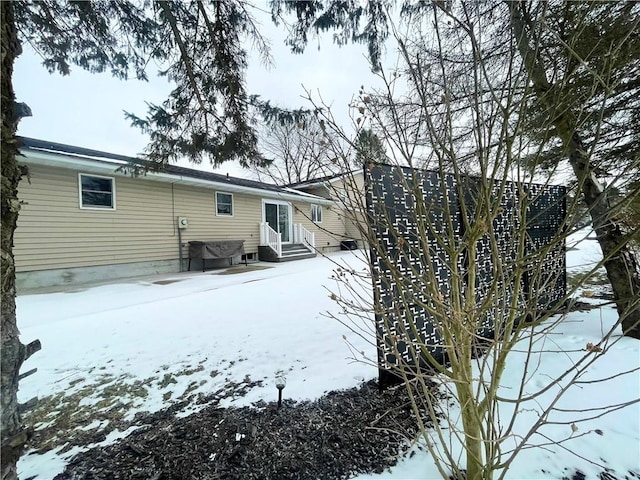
(224, 204)
(316, 213)
(97, 192)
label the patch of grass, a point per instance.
(167, 380)
(61, 419)
(95, 408)
(190, 388)
(73, 383)
(191, 371)
(122, 390)
(165, 282)
(243, 269)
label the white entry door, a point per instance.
(279, 217)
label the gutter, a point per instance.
(44, 158)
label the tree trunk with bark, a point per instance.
(619, 260)
(13, 351)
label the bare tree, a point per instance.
(463, 279)
(296, 152)
(581, 59)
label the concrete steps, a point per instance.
(293, 251)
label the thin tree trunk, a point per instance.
(619, 260)
(473, 438)
(13, 352)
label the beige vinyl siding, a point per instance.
(353, 188)
(350, 190)
(351, 220)
(198, 205)
(320, 191)
(54, 232)
(351, 184)
(329, 232)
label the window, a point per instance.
(316, 213)
(97, 192)
(224, 204)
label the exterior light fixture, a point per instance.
(280, 384)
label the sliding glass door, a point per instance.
(278, 216)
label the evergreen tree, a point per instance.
(12, 349)
(590, 52)
(207, 116)
(369, 148)
(583, 68)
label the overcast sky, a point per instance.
(86, 109)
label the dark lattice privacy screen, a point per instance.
(418, 217)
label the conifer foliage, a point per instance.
(207, 117)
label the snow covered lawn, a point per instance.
(139, 346)
(114, 350)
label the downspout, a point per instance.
(177, 227)
(179, 244)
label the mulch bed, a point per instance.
(341, 434)
(360, 430)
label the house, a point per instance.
(84, 217)
(346, 190)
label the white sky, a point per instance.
(86, 109)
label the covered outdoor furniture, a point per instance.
(214, 250)
(349, 244)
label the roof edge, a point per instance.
(51, 153)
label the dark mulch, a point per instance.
(343, 433)
(604, 475)
(360, 430)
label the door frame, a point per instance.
(280, 203)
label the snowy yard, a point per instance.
(142, 345)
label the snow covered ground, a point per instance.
(142, 345)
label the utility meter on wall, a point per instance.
(183, 222)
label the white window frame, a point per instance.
(290, 213)
(318, 209)
(95, 207)
(218, 214)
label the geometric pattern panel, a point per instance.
(546, 211)
(419, 219)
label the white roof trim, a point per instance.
(93, 165)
